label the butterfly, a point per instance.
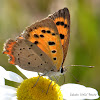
(43, 46)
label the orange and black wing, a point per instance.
(62, 21)
(45, 35)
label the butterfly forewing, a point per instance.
(45, 35)
(62, 21)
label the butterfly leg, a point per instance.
(56, 81)
(48, 87)
(37, 81)
(56, 78)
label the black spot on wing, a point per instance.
(41, 54)
(65, 26)
(58, 23)
(62, 23)
(43, 31)
(53, 51)
(30, 29)
(61, 36)
(54, 58)
(53, 34)
(51, 43)
(36, 35)
(36, 42)
(31, 45)
(41, 35)
(29, 63)
(48, 31)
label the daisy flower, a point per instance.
(41, 88)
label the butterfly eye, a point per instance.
(62, 70)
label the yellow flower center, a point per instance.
(45, 89)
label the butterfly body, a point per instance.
(42, 47)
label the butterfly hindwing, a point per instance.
(8, 50)
(62, 21)
(45, 35)
(29, 56)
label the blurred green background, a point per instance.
(84, 47)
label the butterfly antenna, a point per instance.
(82, 66)
(73, 76)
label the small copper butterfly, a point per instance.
(42, 47)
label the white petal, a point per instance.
(14, 98)
(10, 75)
(76, 91)
(2, 69)
(13, 77)
(7, 90)
(4, 97)
(28, 74)
(2, 80)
